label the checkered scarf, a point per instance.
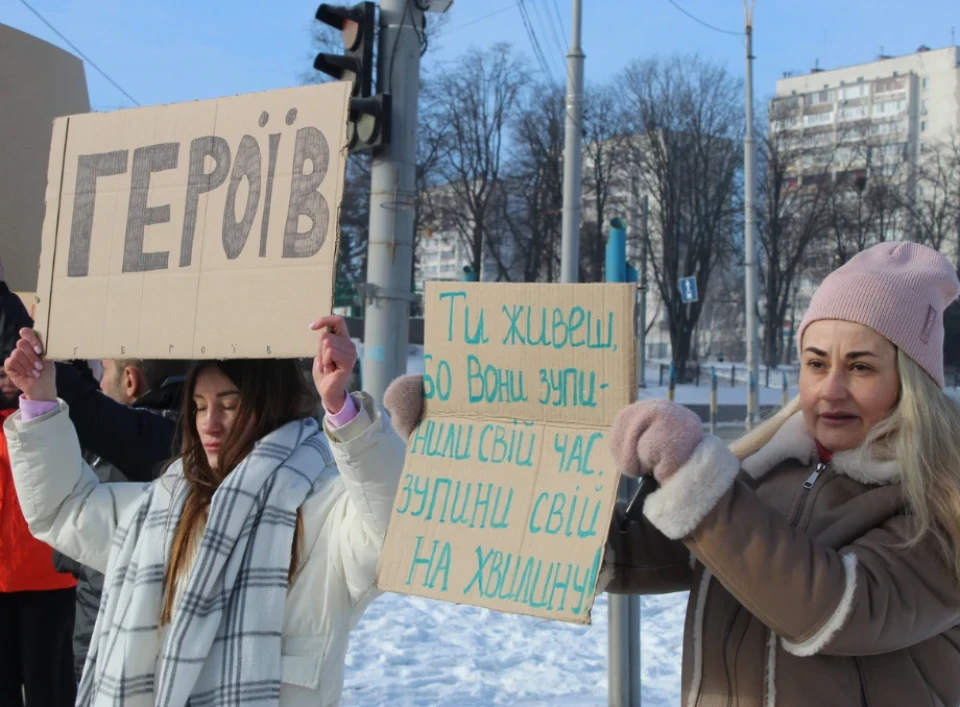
(222, 646)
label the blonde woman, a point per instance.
(822, 550)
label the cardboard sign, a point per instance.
(38, 82)
(195, 230)
(509, 486)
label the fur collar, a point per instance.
(792, 441)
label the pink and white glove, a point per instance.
(403, 399)
(654, 437)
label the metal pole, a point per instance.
(623, 621)
(750, 239)
(713, 400)
(392, 190)
(573, 155)
(644, 246)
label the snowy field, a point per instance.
(411, 651)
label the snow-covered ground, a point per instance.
(411, 651)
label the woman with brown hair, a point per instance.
(236, 577)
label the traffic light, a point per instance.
(369, 126)
(356, 26)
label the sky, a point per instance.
(163, 51)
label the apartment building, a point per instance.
(913, 99)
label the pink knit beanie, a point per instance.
(897, 289)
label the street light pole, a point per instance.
(751, 253)
(573, 155)
(642, 333)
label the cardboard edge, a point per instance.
(51, 227)
(633, 334)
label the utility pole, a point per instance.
(751, 253)
(644, 248)
(388, 290)
(623, 632)
(573, 155)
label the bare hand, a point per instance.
(35, 377)
(333, 366)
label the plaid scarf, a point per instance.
(222, 646)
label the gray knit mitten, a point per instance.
(404, 401)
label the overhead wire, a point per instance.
(534, 42)
(705, 24)
(80, 53)
(556, 9)
(474, 21)
(545, 18)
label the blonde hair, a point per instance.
(922, 434)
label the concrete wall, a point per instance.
(38, 82)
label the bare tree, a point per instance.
(935, 210)
(536, 177)
(476, 99)
(687, 124)
(790, 218)
(432, 144)
(354, 220)
(605, 150)
(869, 191)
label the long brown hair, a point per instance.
(272, 393)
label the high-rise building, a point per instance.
(912, 100)
(885, 132)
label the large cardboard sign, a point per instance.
(509, 486)
(38, 82)
(194, 230)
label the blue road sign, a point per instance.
(688, 290)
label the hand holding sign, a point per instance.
(333, 366)
(654, 437)
(34, 377)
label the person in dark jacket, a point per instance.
(134, 438)
(36, 601)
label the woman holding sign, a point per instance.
(824, 546)
(823, 550)
(237, 576)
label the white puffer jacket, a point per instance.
(344, 525)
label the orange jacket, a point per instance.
(26, 564)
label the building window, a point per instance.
(923, 126)
(851, 92)
(924, 82)
(819, 97)
(818, 118)
(855, 113)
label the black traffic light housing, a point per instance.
(369, 126)
(370, 115)
(356, 25)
